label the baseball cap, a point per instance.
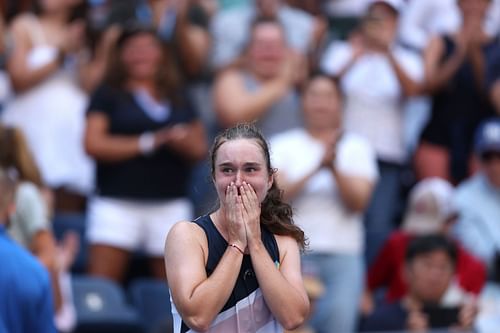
(430, 205)
(397, 5)
(488, 136)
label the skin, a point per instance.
(321, 109)
(270, 61)
(242, 180)
(491, 169)
(428, 277)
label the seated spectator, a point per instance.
(328, 176)
(430, 211)
(144, 137)
(26, 305)
(478, 198)
(376, 76)
(45, 62)
(263, 90)
(231, 29)
(30, 224)
(454, 78)
(430, 265)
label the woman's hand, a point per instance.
(234, 215)
(250, 213)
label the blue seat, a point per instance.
(64, 222)
(152, 299)
(101, 307)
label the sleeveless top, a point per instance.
(245, 310)
(283, 115)
(457, 110)
(51, 115)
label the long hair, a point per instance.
(276, 215)
(166, 78)
(15, 153)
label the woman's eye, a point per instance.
(227, 170)
(251, 169)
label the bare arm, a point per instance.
(438, 74)
(234, 103)
(355, 192)
(292, 189)
(189, 140)
(282, 287)
(198, 298)
(409, 86)
(23, 78)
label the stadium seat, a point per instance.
(151, 298)
(101, 307)
(64, 222)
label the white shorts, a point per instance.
(133, 225)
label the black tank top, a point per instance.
(247, 283)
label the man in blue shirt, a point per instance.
(25, 293)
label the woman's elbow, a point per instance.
(198, 323)
(294, 321)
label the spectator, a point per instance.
(423, 19)
(25, 292)
(232, 28)
(30, 225)
(454, 77)
(43, 64)
(264, 89)
(478, 199)
(430, 211)
(144, 137)
(375, 77)
(430, 264)
(328, 176)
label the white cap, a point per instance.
(430, 205)
(396, 4)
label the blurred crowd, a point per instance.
(383, 118)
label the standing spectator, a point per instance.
(375, 77)
(30, 224)
(25, 292)
(478, 199)
(454, 77)
(144, 137)
(328, 176)
(231, 29)
(44, 63)
(430, 264)
(430, 211)
(263, 90)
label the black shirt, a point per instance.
(159, 176)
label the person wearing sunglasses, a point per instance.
(478, 200)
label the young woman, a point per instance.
(144, 138)
(238, 268)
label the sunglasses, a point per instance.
(490, 156)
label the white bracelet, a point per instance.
(146, 143)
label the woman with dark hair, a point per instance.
(144, 138)
(238, 268)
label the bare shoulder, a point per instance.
(229, 76)
(287, 245)
(22, 22)
(185, 231)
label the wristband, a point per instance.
(146, 143)
(237, 248)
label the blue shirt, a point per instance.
(478, 227)
(25, 291)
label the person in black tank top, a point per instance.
(455, 67)
(238, 269)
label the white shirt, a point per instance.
(374, 103)
(318, 208)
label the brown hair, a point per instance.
(275, 214)
(15, 153)
(167, 77)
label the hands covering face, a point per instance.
(242, 214)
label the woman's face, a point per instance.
(267, 50)
(238, 161)
(321, 103)
(141, 56)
